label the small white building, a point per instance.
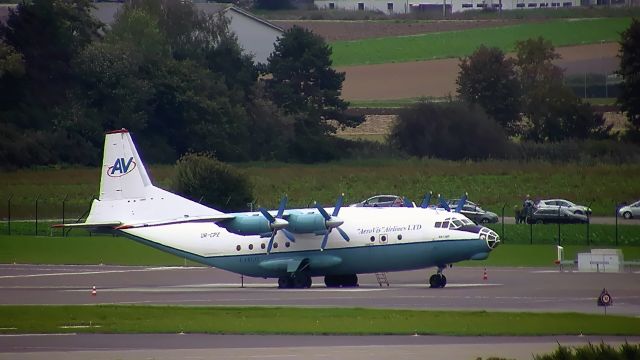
(256, 36)
(408, 6)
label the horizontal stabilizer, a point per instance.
(102, 224)
(194, 219)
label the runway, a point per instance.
(506, 289)
(515, 289)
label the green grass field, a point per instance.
(492, 184)
(263, 320)
(462, 43)
(121, 251)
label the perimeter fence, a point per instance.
(35, 217)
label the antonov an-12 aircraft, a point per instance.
(291, 245)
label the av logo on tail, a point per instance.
(121, 167)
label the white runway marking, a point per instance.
(92, 272)
(17, 335)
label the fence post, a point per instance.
(616, 208)
(503, 206)
(559, 208)
(63, 203)
(588, 221)
(37, 199)
(9, 215)
(531, 233)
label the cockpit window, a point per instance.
(445, 224)
(456, 224)
(467, 221)
(439, 224)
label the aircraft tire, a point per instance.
(332, 281)
(350, 280)
(285, 282)
(437, 281)
(301, 281)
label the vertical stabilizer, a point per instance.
(123, 174)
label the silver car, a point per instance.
(630, 211)
(564, 204)
(380, 201)
(475, 212)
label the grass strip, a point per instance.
(262, 320)
(452, 44)
(122, 251)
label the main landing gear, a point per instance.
(294, 281)
(333, 281)
(438, 280)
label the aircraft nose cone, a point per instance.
(490, 236)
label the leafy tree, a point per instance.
(629, 98)
(553, 112)
(449, 131)
(11, 61)
(303, 82)
(216, 184)
(489, 79)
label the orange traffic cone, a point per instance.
(484, 275)
(93, 291)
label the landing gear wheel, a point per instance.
(332, 281)
(302, 281)
(437, 281)
(285, 282)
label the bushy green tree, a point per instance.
(202, 178)
(451, 130)
(551, 110)
(629, 98)
(488, 78)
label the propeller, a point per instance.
(461, 202)
(426, 200)
(406, 202)
(331, 221)
(277, 223)
(443, 203)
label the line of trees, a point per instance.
(520, 108)
(175, 77)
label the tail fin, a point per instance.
(123, 175)
(127, 194)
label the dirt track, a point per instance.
(437, 78)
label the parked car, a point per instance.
(630, 211)
(565, 204)
(380, 201)
(474, 212)
(556, 216)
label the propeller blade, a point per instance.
(283, 203)
(426, 200)
(323, 212)
(406, 202)
(270, 245)
(461, 202)
(266, 214)
(336, 209)
(324, 240)
(344, 234)
(443, 203)
(289, 235)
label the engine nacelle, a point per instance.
(248, 225)
(306, 223)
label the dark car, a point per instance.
(475, 212)
(555, 216)
(380, 201)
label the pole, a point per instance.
(559, 207)
(63, 205)
(588, 221)
(616, 207)
(503, 206)
(9, 215)
(585, 85)
(37, 198)
(531, 233)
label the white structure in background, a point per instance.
(256, 36)
(408, 6)
(601, 260)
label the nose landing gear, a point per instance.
(438, 280)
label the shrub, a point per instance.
(202, 178)
(452, 130)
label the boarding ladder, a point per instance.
(382, 279)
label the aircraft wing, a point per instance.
(193, 219)
(100, 224)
